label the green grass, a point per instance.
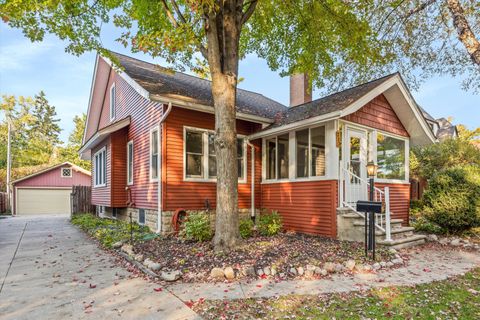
(456, 298)
(109, 231)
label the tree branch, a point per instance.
(177, 10)
(421, 7)
(169, 14)
(248, 13)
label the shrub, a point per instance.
(452, 199)
(246, 228)
(109, 231)
(197, 227)
(422, 224)
(269, 224)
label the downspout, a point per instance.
(160, 171)
(252, 196)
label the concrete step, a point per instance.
(402, 243)
(398, 233)
(394, 223)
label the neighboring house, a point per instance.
(48, 191)
(149, 135)
(441, 128)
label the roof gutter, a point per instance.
(160, 170)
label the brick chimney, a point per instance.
(300, 91)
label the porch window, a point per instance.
(130, 163)
(271, 158)
(277, 157)
(310, 146)
(201, 158)
(154, 154)
(99, 168)
(390, 157)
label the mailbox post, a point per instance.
(369, 208)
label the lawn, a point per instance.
(455, 298)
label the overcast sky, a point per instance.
(26, 68)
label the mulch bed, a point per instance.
(283, 251)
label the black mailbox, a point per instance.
(369, 206)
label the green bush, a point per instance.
(422, 224)
(246, 228)
(269, 224)
(109, 231)
(452, 199)
(197, 227)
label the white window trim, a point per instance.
(63, 176)
(130, 143)
(113, 102)
(104, 149)
(138, 217)
(292, 143)
(205, 156)
(156, 128)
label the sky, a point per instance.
(26, 68)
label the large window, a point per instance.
(113, 99)
(310, 148)
(200, 156)
(100, 168)
(277, 157)
(390, 157)
(154, 154)
(130, 162)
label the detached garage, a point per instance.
(48, 191)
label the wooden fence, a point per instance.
(81, 199)
(3, 202)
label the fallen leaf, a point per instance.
(158, 289)
(93, 286)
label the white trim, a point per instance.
(94, 76)
(113, 102)
(130, 143)
(313, 178)
(205, 155)
(367, 128)
(63, 176)
(35, 187)
(95, 185)
(407, 157)
(155, 128)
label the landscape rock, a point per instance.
(260, 272)
(397, 261)
(383, 264)
(229, 273)
(217, 273)
(282, 275)
(128, 249)
(267, 271)
(320, 271)
(138, 257)
(147, 262)
(300, 271)
(376, 266)
(444, 241)
(293, 271)
(359, 267)
(339, 267)
(367, 267)
(432, 237)
(455, 242)
(310, 267)
(249, 271)
(329, 266)
(117, 245)
(154, 266)
(393, 251)
(273, 271)
(389, 264)
(171, 275)
(309, 273)
(350, 265)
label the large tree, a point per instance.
(292, 35)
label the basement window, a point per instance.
(141, 217)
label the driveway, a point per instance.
(51, 270)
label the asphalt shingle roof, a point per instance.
(161, 81)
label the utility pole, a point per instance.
(9, 161)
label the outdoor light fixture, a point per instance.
(371, 169)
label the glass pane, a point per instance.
(154, 166)
(355, 160)
(283, 156)
(141, 216)
(390, 157)
(271, 156)
(239, 147)
(302, 153)
(194, 143)
(154, 142)
(318, 151)
(211, 144)
(212, 166)
(240, 168)
(194, 165)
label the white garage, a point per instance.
(48, 191)
(43, 201)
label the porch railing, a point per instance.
(354, 188)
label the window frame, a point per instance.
(64, 176)
(407, 156)
(113, 101)
(130, 165)
(150, 154)
(205, 154)
(95, 168)
(144, 217)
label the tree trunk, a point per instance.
(465, 33)
(222, 27)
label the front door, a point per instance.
(356, 161)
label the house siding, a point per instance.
(191, 195)
(399, 200)
(118, 165)
(101, 196)
(52, 178)
(378, 114)
(307, 207)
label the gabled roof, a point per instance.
(446, 129)
(63, 164)
(171, 84)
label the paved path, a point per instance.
(425, 266)
(51, 265)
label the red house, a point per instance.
(48, 191)
(149, 136)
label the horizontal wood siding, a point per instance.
(192, 195)
(378, 114)
(307, 207)
(53, 178)
(399, 200)
(101, 196)
(119, 165)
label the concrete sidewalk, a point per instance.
(58, 273)
(425, 266)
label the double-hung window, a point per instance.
(391, 157)
(154, 155)
(100, 168)
(310, 152)
(201, 158)
(113, 101)
(130, 163)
